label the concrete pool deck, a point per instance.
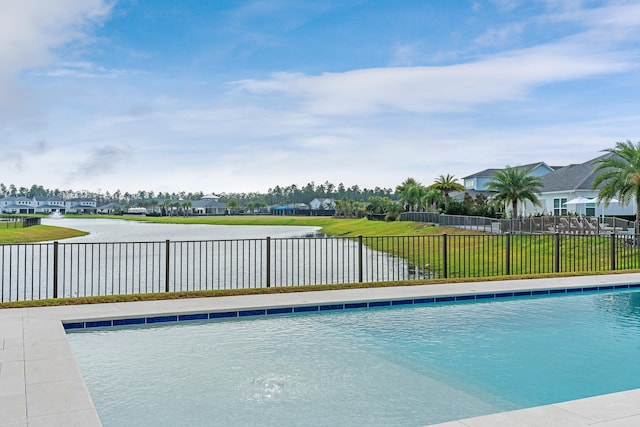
(41, 385)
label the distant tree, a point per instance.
(186, 207)
(515, 185)
(393, 211)
(431, 199)
(232, 205)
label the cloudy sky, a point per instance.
(243, 95)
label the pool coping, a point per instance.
(40, 383)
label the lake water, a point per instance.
(115, 230)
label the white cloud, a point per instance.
(438, 89)
(30, 33)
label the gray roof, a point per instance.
(488, 173)
(48, 199)
(572, 177)
(17, 199)
(207, 203)
(112, 205)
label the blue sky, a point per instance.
(241, 96)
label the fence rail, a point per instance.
(12, 221)
(63, 270)
(541, 224)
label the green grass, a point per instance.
(37, 233)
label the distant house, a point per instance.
(48, 205)
(110, 208)
(17, 205)
(324, 204)
(291, 209)
(208, 205)
(81, 206)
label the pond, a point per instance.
(115, 230)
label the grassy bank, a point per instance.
(37, 233)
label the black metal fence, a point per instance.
(57, 270)
(543, 224)
(11, 221)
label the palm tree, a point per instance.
(411, 193)
(446, 185)
(232, 205)
(515, 185)
(620, 176)
(186, 207)
(431, 199)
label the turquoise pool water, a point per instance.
(397, 366)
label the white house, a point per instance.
(17, 205)
(81, 206)
(316, 204)
(47, 205)
(209, 205)
(566, 184)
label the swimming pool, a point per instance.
(387, 366)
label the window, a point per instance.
(560, 206)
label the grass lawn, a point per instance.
(37, 233)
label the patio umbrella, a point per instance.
(578, 201)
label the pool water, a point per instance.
(400, 366)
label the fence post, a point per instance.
(268, 261)
(360, 258)
(612, 252)
(55, 269)
(167, 268)
(445, 268)
(508, 254)
(556, 254)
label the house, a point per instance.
(570, 182)
(208, 205)
(81, 206)
(477, 182)
(291, 209)
(110, 208)
(17, 205)
(323, 204)
(48, 205)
